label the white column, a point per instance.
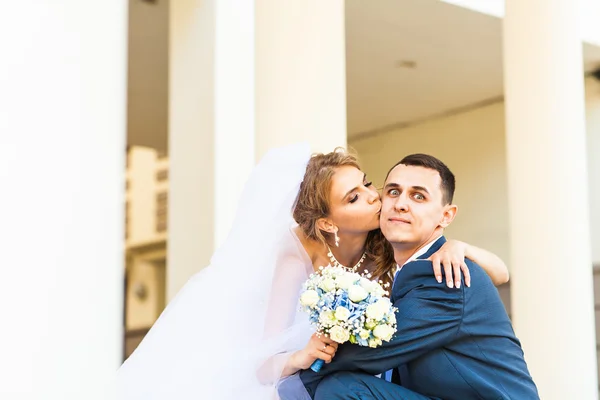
(191, 142)
(244, 77)
(300, 74)
(234, 112)
(62, 152)
(211, 128)
(548, 196)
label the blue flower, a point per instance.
(342, 300)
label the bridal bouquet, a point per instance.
(347, 306)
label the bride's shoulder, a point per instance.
(307, 244)
(314, 251)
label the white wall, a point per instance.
(472, 144)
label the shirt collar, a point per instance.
(420, 252)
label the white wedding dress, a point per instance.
(227, 334)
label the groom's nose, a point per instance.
(401, 205)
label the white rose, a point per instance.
(327, 318)
(339, 334)
(309, 298)
(327, 285)
(370, 324)
(384, 305)
(392, 317)
(374, 342)
(375, 311)
(379, 291)
(357, 293)
(384, 302)
(367, 284)
(383, 332)
(346, 280)
(364, 334)
(342, 313)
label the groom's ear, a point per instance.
(449, 213)
(326, 225)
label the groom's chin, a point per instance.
(398, 239)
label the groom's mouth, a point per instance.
(400, 221)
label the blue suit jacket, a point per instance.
(450, 344)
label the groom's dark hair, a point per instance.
(430, 162)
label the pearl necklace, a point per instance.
(336, 263)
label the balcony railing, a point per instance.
(146, 199)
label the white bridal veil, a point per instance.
(227, 333)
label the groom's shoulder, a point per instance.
(416, 288)
(417, 274)
(416, 269)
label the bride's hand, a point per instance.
(452, 257)
(318, 347)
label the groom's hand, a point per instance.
(318, 347)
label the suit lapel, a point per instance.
(401, 280)
(434, 247)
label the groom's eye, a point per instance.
(394, 192)
(419, 196)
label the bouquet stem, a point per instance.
(317, 365)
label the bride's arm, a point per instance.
(452, 255)
(490, 262)
(318, 347)
(299, 349)
(294, 346)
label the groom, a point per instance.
(450, 344)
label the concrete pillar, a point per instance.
(62, 167)
(552, 300)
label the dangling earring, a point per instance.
(337, 239)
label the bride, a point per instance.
(234, 330)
